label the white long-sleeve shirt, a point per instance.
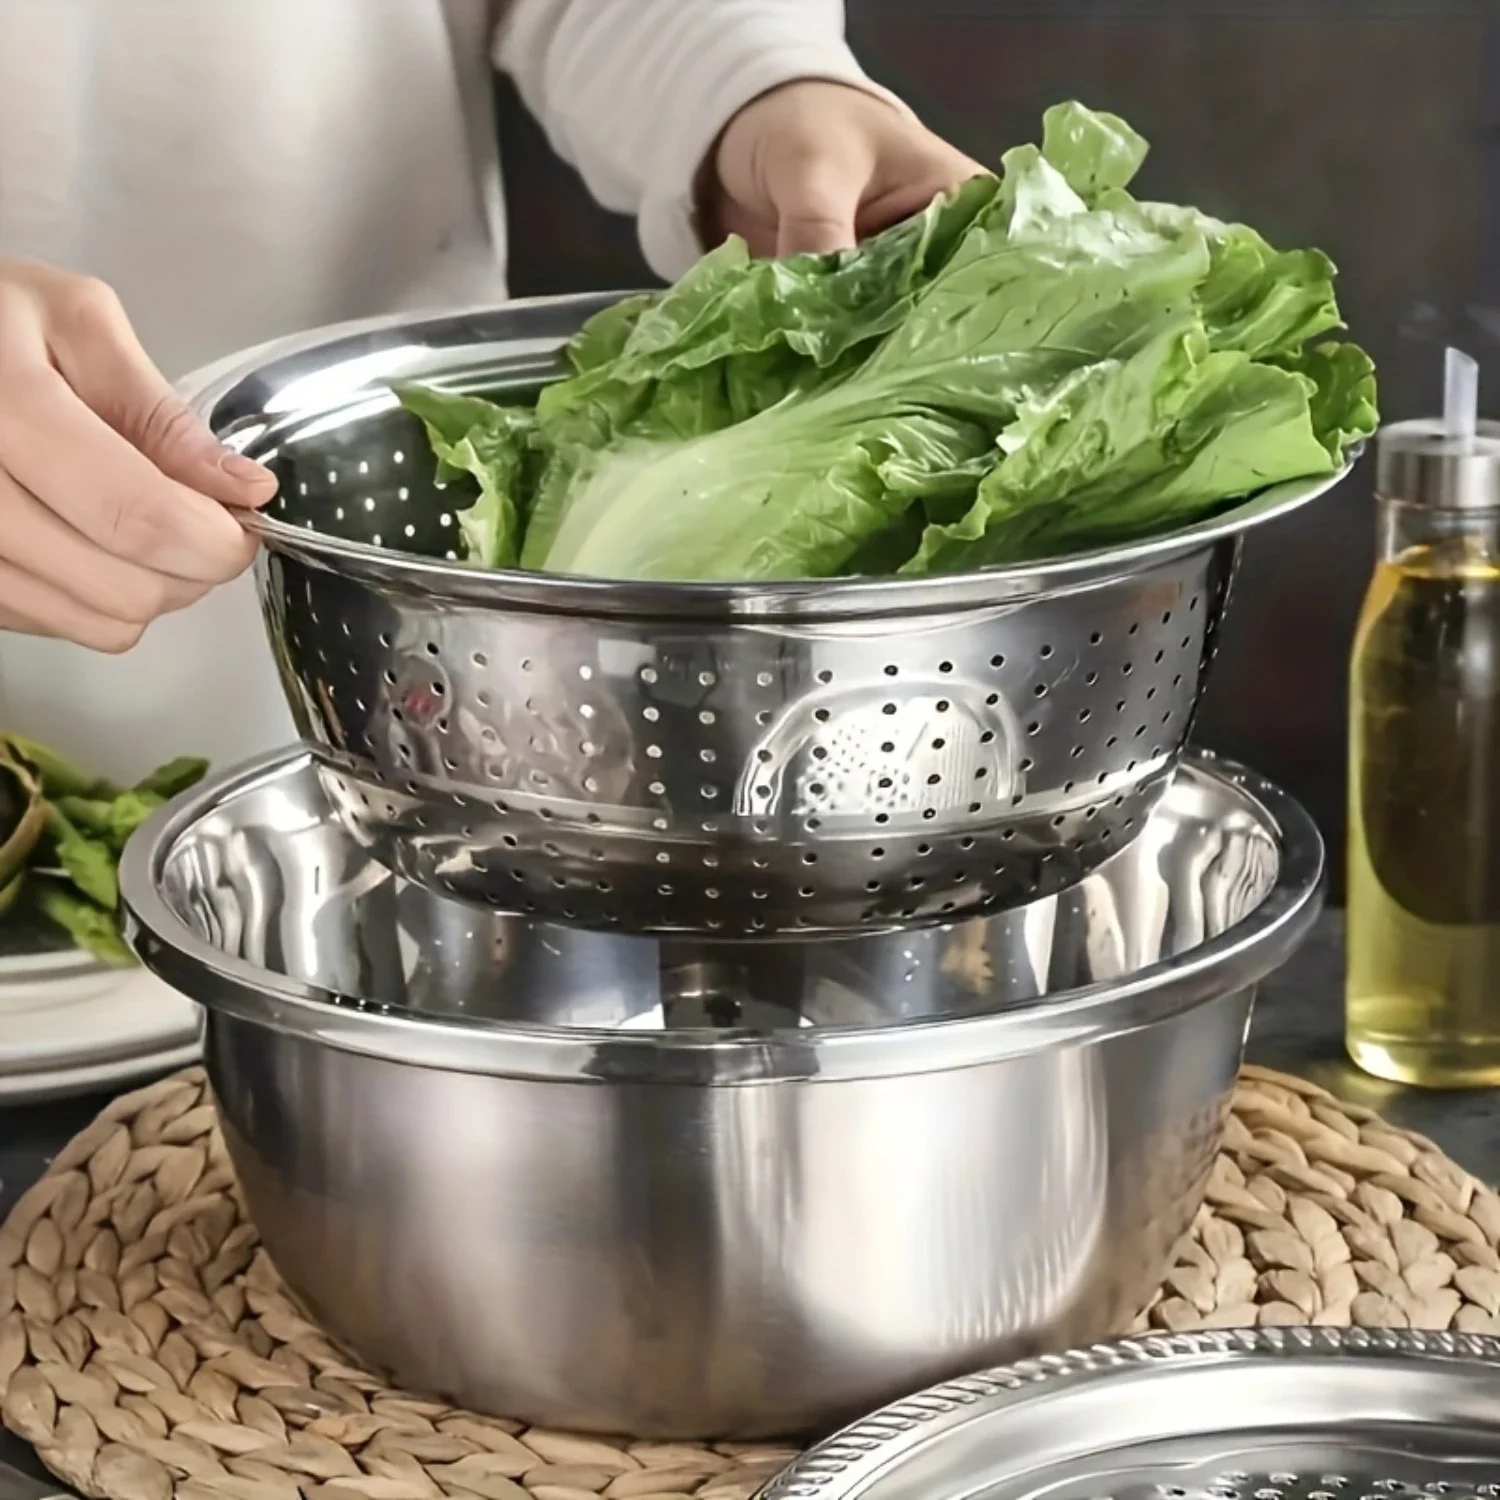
(243, 169)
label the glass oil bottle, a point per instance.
(1423, 986)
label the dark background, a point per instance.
(1365, 127)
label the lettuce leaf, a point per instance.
(733, 338)
(1036, 364)
(1109, 451)
(1097, 153)
(469, 435)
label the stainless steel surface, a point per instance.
(1270, 1414)
(247, 895)
(1417, 463)
(825, 757)
(471, 1145)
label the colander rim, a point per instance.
(244, 400)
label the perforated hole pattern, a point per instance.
(1347, 1483)
(722, 777)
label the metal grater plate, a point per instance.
(1267, 1414)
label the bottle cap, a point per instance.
(1417, 463)
(1449, 463)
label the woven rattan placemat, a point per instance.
(147, 1347)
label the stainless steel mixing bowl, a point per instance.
(824, 757)
(673, 1188)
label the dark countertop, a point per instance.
(1298, 1028)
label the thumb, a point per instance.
(816, 208)
(177, 440)
(104, 363)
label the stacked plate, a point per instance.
(69, 1025)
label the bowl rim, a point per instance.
(254, 400)
(1233, 961)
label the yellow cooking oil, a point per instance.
(1423, 986)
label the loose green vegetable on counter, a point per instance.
(91, 927)
(23, 820)
(61, 836)
(1037, 364)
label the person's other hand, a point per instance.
(112, 493)
(818, 166)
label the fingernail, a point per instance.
(245, 470)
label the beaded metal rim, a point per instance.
(841, 1464)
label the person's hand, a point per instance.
(112, 493)
(818, 166)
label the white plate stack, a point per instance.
(69, 1026)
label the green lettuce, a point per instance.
(62, 832)
(1037, 364)
(474, 437)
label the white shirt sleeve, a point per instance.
(633, 93)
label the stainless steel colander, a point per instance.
(734, 759)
